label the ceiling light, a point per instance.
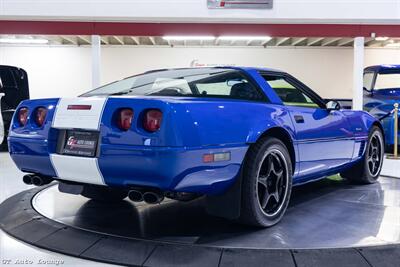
(381, 38)
(245, 38)
(188, 38)
(23, 41)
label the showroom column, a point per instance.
(358, 69)
(96, 60)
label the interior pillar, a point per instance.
(96, 60)
(358, 70)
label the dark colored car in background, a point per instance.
(14, 85)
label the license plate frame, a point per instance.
(80, 143)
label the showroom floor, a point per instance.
(12, 249)
(11, 183)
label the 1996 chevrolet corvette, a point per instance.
(241, 137)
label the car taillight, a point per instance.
(152, 120)
(125, 119)
(23, 116)
(40, 116)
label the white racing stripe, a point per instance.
(77, 169)
(65, 118)
(71, 168)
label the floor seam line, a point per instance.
(148, 256)
(49, 235)
(94, 243)
(220, 257)
(15, 227)
(367, 261)
(293, 257)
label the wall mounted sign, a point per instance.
(240, 4)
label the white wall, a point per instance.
(339, 11)
(319, 68)
(52, 71)
(66, 71)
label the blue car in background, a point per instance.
(381, 92)
(241, 137)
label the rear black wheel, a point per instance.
(266, 183)
(368, 169)
(4, 145)
(104, 193)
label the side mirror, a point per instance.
(368, 90)
(333, 105)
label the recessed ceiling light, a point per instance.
(245, 38)
(23, 41)
(381, 38)
(188, 38)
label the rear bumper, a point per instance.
(168, 168)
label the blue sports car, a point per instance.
(241, 137)
(381, 92)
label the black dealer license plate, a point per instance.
(80, 143)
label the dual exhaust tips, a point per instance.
(30, 179)
(150, 197)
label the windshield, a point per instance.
(387, 81)
(201, 82)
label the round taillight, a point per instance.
(152, 120)
(40, 116)
(125, 117)
(23, 116)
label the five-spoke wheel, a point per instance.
(368, 168)
(374, 154)
(272, 182)
(266, 183)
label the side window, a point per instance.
(7, 79)
(232, 85)
(368, 80)
(289, 93)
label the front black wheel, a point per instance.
(368, 169)
(266, 183)
(103, 193)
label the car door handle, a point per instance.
(299, 119)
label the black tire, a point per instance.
(261, 185)
(368, 169)
(103, 193)
(4, 145)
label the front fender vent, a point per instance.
(362, 148)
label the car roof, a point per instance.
(383, 68)
(244, 68)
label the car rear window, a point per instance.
(201, 82)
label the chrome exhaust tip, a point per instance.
(135, 195)
(39, 181)
(153, 197)
(27, 179)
